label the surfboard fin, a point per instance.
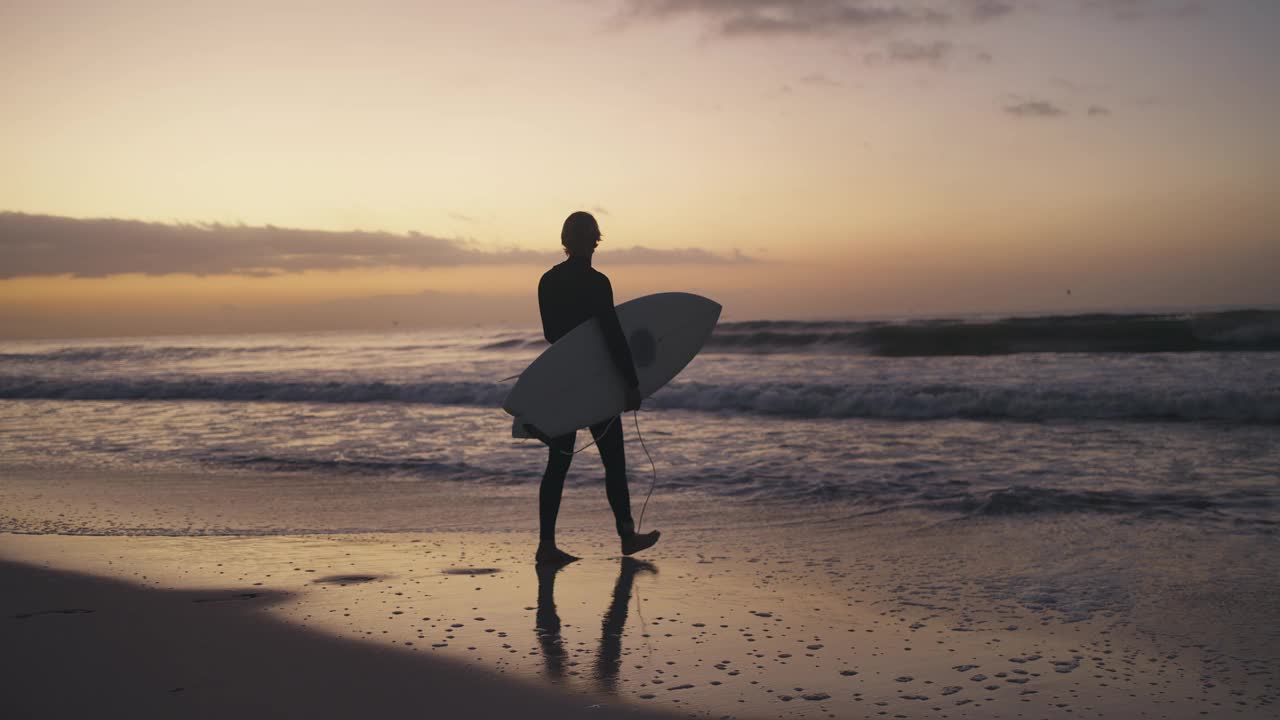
(517, 429)
(523, 430)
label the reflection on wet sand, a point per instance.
(609, 659)
(547, 626)
(609, 655)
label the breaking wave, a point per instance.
(1235, 331)
(889, 401)
(1232, 331)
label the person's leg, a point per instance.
(609, 440)
(558, 459)
(608, 436)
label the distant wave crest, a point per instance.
(1232, 331)
(1235, 331)
(221, 389)
(931, 402)
(787, 399)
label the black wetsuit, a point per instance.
(569, 294)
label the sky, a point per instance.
(223, 167)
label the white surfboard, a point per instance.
(574, 384)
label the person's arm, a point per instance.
(619, 349)
(544, 307)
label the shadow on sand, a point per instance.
(78, 646)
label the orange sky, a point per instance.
(894, 165)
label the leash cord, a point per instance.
(654, 483)
(594, 438)
(635, 416)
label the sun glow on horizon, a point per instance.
(985, 163)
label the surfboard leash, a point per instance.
(635, 415)
(594, 439)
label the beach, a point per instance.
(334, 525)
(764, 621)
(947, 333)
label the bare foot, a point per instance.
(635, 542)
(553, 556)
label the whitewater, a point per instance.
(1132, 415)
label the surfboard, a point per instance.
(574, 384)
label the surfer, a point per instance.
(569, 294)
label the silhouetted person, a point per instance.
(570, 294)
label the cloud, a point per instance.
(1144, 9)
(32, 245)
(820, 80)
(739, 18)
(641, 255)
(1034, 109)
(933, 53)
(1098, 111)
(803, 17)
(1065, 84)
(983, 10)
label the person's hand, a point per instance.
(633, 399)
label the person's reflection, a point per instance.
(609, 657)
(548, 621)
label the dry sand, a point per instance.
(458, 624)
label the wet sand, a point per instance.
(81, 646)
(461, 624)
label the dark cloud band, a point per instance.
(36, 245)
(810, 17)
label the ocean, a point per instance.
(1016, 487)
(1132, 415)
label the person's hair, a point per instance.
(580, 234)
